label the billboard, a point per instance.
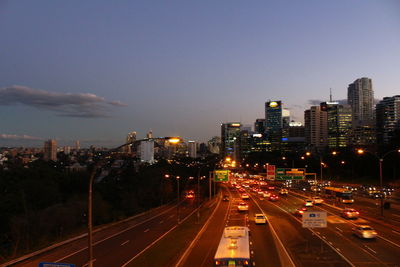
(271, 172)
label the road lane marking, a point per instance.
(339, 229)
(171, 216)
(146, 230)
(396, 215)
(161, 222)
(387, 240)
(87, 264)
(319, 236)
(158, 239)
(370, 249)
(330, 243)
(395, 232)
(126, 242)
(118, 233)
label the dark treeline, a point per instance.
(42, 203)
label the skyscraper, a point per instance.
(387, 118)
(130, 138)
(316, 127)
(274, 123)
(229, 134)
(50, 150)
(259, 126)
(192, 149)
(360, 96)
(339, 119)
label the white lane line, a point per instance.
(171, 216)
(87, 264)
(339, 229)
(330, 243)
(146, 230)
(111, 236)
(395, 232)
(387, 240)
(158, 239)
(126, 242)
(396, 215)
(161, 222)
(370, 249)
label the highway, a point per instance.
(118, 244)
(262, 244)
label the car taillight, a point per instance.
(357, 212)
(217, 262)
(246, 262)
(301, 212)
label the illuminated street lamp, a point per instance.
(361, 151)
(171, 140)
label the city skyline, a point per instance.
(182, 68)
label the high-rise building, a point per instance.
(77, 145)
(214, 145)
(339, 119)
(229, 134)
(150, 134)
(387, 119)
(316, 127)
(274, 123)
(147, 151)
(192, 149)
(259, 126)
(360, 96)
(130, 138)
(50, 150)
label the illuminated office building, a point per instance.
(230, 132)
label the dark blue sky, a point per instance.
(95, 70)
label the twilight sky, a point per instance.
(95, 70)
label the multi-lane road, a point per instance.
(281, 242)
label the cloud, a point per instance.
(63, 104)
(18, 137)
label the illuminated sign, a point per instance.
(257, 135)
(235, 124)
(273, 104)
(221, 176)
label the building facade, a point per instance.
(387, 119)
(230, 133)
(274, 123)
(339, 125)
(50, 150)
(360, 96)
(192, 149)
(316, 127)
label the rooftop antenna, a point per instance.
(330, 94)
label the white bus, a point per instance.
(234, 248)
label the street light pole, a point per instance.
(172, 140)
(380, 179)
(177, 206)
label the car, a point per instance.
(190, 196)
(266, 194)
(273, 197)
(271, 187)
(225, 198)
(349, 213)
(365, 231)
(299, 212)
(308, 203)
(283, 191)
(243, 206)
(260, 218)
(245, 196)
(317, 200)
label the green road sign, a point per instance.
(289, 174)
(221, 175)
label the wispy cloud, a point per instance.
(63, 104)
(18, 137)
